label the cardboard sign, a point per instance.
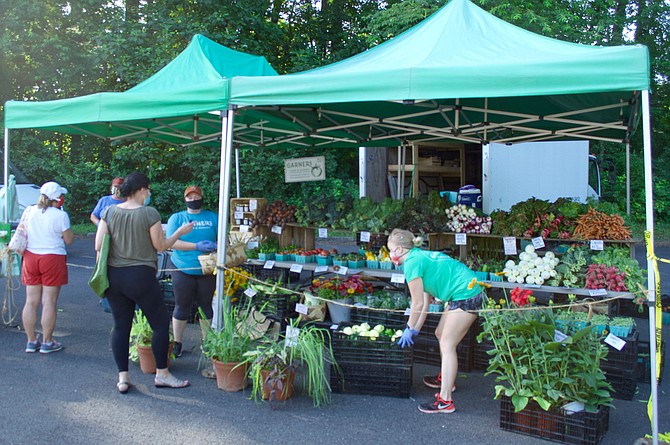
(250, 292)
(277, 230)
(269, 264)
(305, 169)
(318, 269)
(365, 237)
(301, 308)
(323, 233)
(509, 244)
(538, 242)
(297, 268)
(461, 239)
(597, 244)
(398, 278)
(615, 342)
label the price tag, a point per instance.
(333, 327)
(342, 270)
(365, 237)
(407, 311)
(318, 269)
(269, 264)
(292, 334)
(509, 244)
(250, 292)
(597, 244)
(559, 336)
(461, 239)
(532, 286)
(276, 229)
(597, 292)
(297, 268)
(538, 242)
(252, 244)
(238, 215)
(398, 278)
(615, 342)
(301, 308)
(244, 228)
(323, 233)
(253, 205)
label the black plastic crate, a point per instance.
(168, 298)
(361, 350)
(260, 273)
(427, 352)
(429, 326)
(480, 358)
(280, 305)
(371, 379)
(625, 359)
(623, 381)
(644, 361)
(556, 425)
(373, 317)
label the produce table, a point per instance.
(311, 267)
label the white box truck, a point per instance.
(544, 170)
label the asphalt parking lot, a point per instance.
(70, 397)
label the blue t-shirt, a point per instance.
(206, 228)
(103, 203)
(443, 277)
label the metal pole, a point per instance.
(651, 279)
(6, 175)
(628, 178)
(237, 170)
(224, 208)
(362, 172)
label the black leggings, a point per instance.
(130, 286)
(186, 288)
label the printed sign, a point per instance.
(342, 270)
(509, 244)
(305, 169)
(323, 233)
(297, 268)
(538, 242)
(269, 264)
(398, 278)
(365, 237)
(253, 205)
(597, 292)
(461, 239)
(615, 342)
(277, 230)
(597, 244)
(318, 269)
(301, 308)
(250, 292)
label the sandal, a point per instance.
(123, 387)
(170, 382)
(208, 373)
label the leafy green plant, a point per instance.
(571, 270)
(140, 334)
(235, 337)
(620, 257)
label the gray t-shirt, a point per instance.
(130, 240)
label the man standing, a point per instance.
(107, 201)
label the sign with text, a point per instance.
(509, 244)
(461, 239)
(305, 169)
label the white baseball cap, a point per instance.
(53, 190)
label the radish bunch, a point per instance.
(532, 268)
(600, 276)
(464, 219)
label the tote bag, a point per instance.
(99, 281)
(19, 241)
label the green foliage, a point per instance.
(620, 258)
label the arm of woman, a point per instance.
(419, 310)
(99, 235)
(68, 236)
(161, 243)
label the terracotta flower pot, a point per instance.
(230, 377)
(147, 360)
(281, 393)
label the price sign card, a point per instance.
(333, 327)
(559, 336)
(615, 342)
(461, 239)
(323, 233)
(269, 264)
(407, 311)
(253, 205)
(365, 237)
(250, 292)
(318, 269)
(532, 286)
(244, 228)
(342, 270)
(276, 229)
(238, 215)
(301, 308)
(297, 268)
(597, 292)
(509, 244)
(538, 242)
(597, 244)
(252, 244)
(398, 278)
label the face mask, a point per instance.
(147, 200)
(61, 200)
(395, 259)
(114, 189)
(194, 205)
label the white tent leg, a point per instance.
(237, 170)
(6, 174)
(224, 207)
(649, 201)
(628, 178)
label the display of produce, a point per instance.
(532, 269)
(277, 213)
(598, 225)
(464, 219)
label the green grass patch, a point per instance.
(83, 229)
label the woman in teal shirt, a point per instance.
(189, 283)
(450, 281)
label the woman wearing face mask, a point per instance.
(44, 268)
(451, 282)
(136, 234)
(188, 283)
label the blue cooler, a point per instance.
(470, 196)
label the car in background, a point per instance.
(27, 193)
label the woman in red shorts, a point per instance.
(44, 268)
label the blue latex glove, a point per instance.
(407, 337)
(205, 246)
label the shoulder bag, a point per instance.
(19, 241)
(99, 281)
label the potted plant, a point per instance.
(227, 345)
(267, 249)
(140, 343)
(274, 362)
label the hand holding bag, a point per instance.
(99, 281)
(19, 241)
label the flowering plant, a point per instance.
(337, 288)
(534, 361)
(234, 279)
